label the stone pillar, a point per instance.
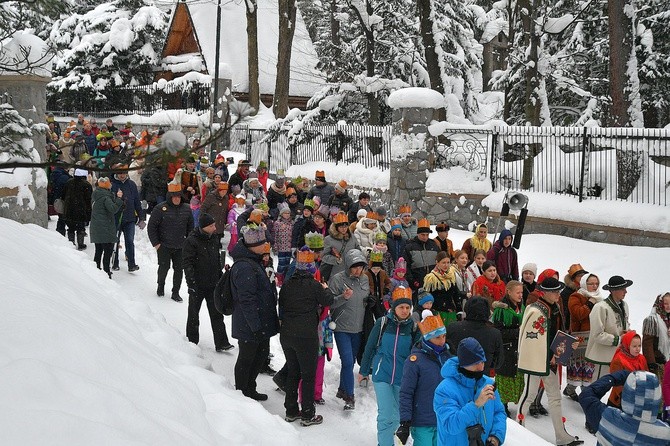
(27, 94)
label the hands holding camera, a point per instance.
(487, 393)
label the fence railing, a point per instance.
(362, 144)
(144, 100)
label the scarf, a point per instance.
(618, 310)
(279, 190)
(478, 243)
(512, 315)
(597, 294)
(658, 324)
(438, 280)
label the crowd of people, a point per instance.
(448, 337)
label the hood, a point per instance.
(641, 396)
(354, 256)
(332, 231)
(505, 233)
(546, 273)
(477, 309)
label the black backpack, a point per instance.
(223, 293)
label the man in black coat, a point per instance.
(341, 198)
(362, 203)
(169, 225)
(420, 254)
(154, 185)
(202, 268)
(240, 175)
(477, 325)
(255, 318)
(300, 301)
(77, 203)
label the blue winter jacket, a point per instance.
(590, 397)
(386, 360)
(396, 246)
(132, 210)
(420, 377)
(455, 408)
(254, 297)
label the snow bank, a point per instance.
(415, 97)
(83, 363)
(355, 174)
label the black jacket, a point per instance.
(169, 225)
(154, 184)
(420, 257)
(343, 201)
(353, 210)
(77, 199)
(299, 301)
(477, 325)
(254, 297)
(201, 260)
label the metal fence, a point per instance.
(144, 100)
(362, 144)
(631, 164)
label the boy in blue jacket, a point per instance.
(466, 402)
(420, 378)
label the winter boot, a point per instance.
(539, 408)
(176, 297)
(160, 291)
(316, 419)
(341, 394)
(292, 418)
(80, 240)
(570, 391)
(350, 403)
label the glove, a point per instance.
(142, 224)
(403, 431)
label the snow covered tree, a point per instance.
(113, 45)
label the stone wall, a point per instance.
(28, 97)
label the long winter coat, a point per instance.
(216, 206)
(254, 297)
(456, 411)
(507, 319)
(201, 260)
(154, 184)
(169, 225)
(103, 224)
(365, 236)
(77, 199)
(385, 358)
(396, 246)
(420, 378)
(506, 259)
(536, 336)
(300, 299)
(608, 322)
(349, 314)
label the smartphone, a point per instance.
(495, 386)
(230, 160)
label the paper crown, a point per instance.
(314, 240)
(309, 204)
(253, 235)
(380, 237)
(401, 295)
(432, 326)
(262, 207)
(423, 223)
(280, 174)
(340, 217)
(219, 159)
(256, 217)
(405, 209)
(371, 216)
(320, 175)
(396, 222)
(342, 185)
(290, 191)
(222, 186)
(172, 187)
(305, 256)
(204, 161)
(267, 248)
(376, 257)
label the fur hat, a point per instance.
(442, 226)
(470, 352)
(401, 295)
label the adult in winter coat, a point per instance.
(441, 283)
(321, 189)
(365, 232)
(216, 204)
(351, 289)
(154, 185)
(103, 224)
(300, 300)
(656, 335)
(386, 350)
(541, 321)
(240, 175)
(420, 378)
(409, 225)
(635, 424)
(442, 239)
(169, 225)
(77, 206)
(255, 318)
(476, 325)
(466, 404)
(202, 268)
(477, 241)
(276, 194)
(338, 242)
(504, 255)
(341, 199)
(420, 254)
(362, 203)
(58, 178)
(507, 317)
(571, 281)
(609, 321)
(253, 189)
(132, 214)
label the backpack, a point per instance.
(223, 293)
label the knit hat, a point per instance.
(441, 227)
(104, 183)
(530, 267)
(80, 173)
(253, 235)
(405, 210)
(361, 213)
(309, 204)
(340, 218)
(401, 295)
(431, 326)
(205, 220)
(470, 352)
(400, 265)
(380, 237)
(423, 226)
(320, 175)
(323, 211)
(551, 284)
(253, 175)
(305, 260)
(575, 270)
(341, 186)
(477, 309)
(396, 223)
(283, 208)
(376, 259)
(381, 212)
(314, 241)
(256, 217)
(222, 186)
(641, 396)
(236, 189)
(424, 296)
(333, 211)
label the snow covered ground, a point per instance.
(86, 360)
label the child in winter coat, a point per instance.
(425, 301)
(380, 245)
(528, 273)
(420, 378)
(236, 210)
(474, 269)
(627, 357)
(283, 229)
(397, 279)
(489, 284)
(395, 241)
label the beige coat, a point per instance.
(607, 325)
(534, 339)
